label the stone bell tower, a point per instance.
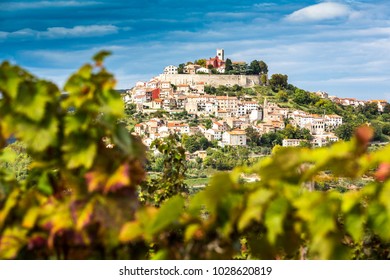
(265, 109)
(221, 54)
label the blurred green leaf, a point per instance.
(100, 56)
(30, 218)
(274, 218)
(168, 214)
(78, 155)
(44, 185)
(255, 207)
(354, 225)
(11, 241)
(131, 231)
(10, 203)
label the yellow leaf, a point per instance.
(11, 202)
(95, 180)
(12, 241)
(191, 232)
(30, 218)
(130, 231)
(118, 180)
(86, 215)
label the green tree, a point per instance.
(210, 89)
(386, 129)
(236, 88)
(190, 143)
(208, 123)
(292, 132)
(253, 137)
(370, 110)
(278, 81)
(263, 67)
(377, 131)
(171, 182)
(264, 79)
(204, 143)
(282, 96)
(386, 109)
(254, 67)
(130, 109)
(196, 142)
(180, 69)
(157, 163)
(228, 65)
(301, 97)
(305, 144)
(344, 131)
(201, 62)
(271, 139)
(327, 106)
(227, 158)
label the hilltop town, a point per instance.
(188, 89)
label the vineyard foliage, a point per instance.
(86, 175)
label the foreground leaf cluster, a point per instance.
(80, 199)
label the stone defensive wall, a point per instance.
(212, 80)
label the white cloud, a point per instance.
(80, 31)
(354, 80)
(63, 32)
(26, 32)
(3, 34)
(229, 15)
(45, 4)
(264, 5)
(321, 11)
(61, 58)
(374, 31)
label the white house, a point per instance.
(255, 115)
(213, 134)
(165, 85)
(152, 84)
(227, 103)
(333, 120)
(170, 69)
(321, 140)
(139, 98)
(235, 137)
(183, 88)
(292, 142)
(140, 84)
(211, 107)
(203, 70)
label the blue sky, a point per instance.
(342, 47)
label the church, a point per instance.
(218, 62)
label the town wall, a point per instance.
(212, 80)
